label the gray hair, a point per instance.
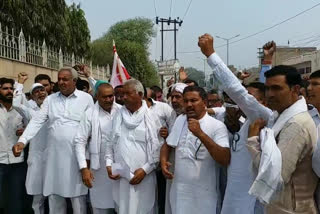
(136, 84)
(73, 72)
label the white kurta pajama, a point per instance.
(240, 176)
(194, 188)
(133, 146)
(101, 192)
(165, 118)
(34, 179)
(62, 178)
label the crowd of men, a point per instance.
(244, 149)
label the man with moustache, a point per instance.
(201, 144)
(291, 131)
(12, 169)
(34, 180)
(94, 128)
(62, 111)
(176, 96)
(133, 153)
(313, 91)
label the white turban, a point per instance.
(179, 87)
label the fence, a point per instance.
(32, 52)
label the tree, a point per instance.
(196, 75)
(132, 39)
(78, 31)
(49, 20)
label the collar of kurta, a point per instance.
(136, 112)
(114, 108)
(2, 106)
(75, 93)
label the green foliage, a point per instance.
(132, 39)
(49, 20)
(196, 75)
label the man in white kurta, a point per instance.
(130, 156)
(239, 175)
(96, 125)
(12, 169)
(164, 119)
(201, 144)
(34, 180)
(62, 111)
(176, 98)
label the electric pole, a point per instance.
(169, 21)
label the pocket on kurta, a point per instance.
(201, 152)
(140, 136)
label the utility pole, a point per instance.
(169, 21)
(228, 39)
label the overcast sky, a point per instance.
(225, 18)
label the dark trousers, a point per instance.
(12, 187)
(161, 183)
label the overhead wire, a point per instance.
(264, 30)
(187, 10)
(184, 16)
(155, 7)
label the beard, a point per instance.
(6, 99)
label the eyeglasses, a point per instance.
(234, 142)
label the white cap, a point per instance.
(179, 87)
(35, 85)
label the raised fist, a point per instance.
(206, 44)
(182, 74)
(269, 49)
(22, 77)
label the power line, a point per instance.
(304, 39)
(182, 20)
(187, 10)
(155, 7)
(275, 25)
(264, 30)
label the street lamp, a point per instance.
(227, 39)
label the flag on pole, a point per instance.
(119, 72)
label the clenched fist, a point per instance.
(17, 149)
(206, 44)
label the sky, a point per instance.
(224, 18)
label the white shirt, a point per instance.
(61, 172)
(219, 113)
(26, 109)
(85, 131)
(134, 138)
(240, 177)
(34, 179)
(101, 192)
(67, 110)
(314, 114)
(316, 154)
(194, 187)
(10, 121)
(164, 113)
(132, 149)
